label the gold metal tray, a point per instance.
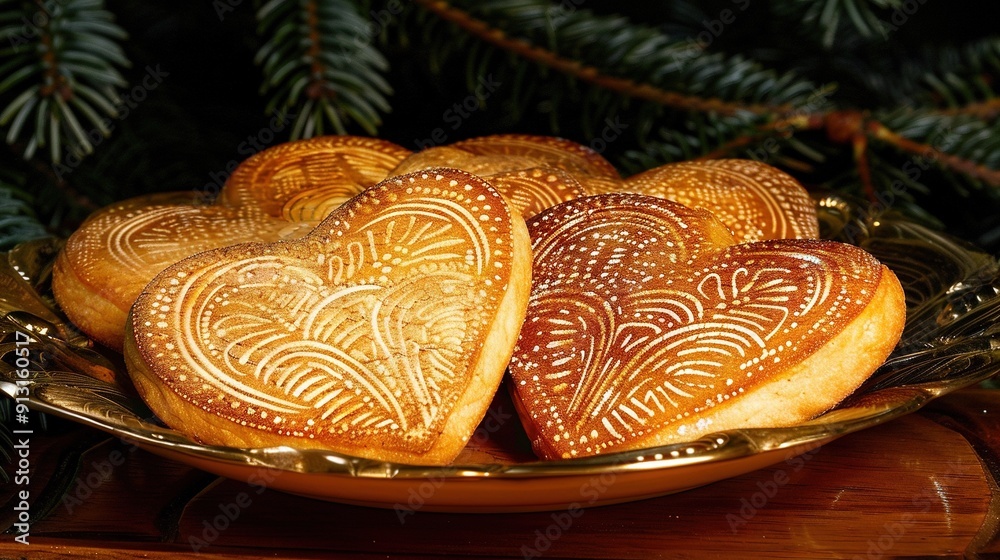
(952, 340)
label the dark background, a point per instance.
(192, 125)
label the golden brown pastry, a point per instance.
(488, 156)
(384, 333)
(529, 191)
(755, 200)
(649, 324)
(580, 161)
(279, 193)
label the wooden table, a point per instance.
(921, 486)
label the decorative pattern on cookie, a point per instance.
(283, 180)
(529, 191)
(755, 200)
(384, 333)
(649, 324)
(556, 152)
(489, 155)
(279, 193)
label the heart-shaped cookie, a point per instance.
(279, 193)
(384, 333)
(648, 324)
(755, 200)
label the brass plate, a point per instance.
(952, 340)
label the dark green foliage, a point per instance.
(320, 65)
(830, 20)
(59, 80)
(643, 83)
(18, 221)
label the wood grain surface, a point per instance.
(920, 487)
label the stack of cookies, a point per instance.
(343, 293)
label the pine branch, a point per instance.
(17, 218)
(631, 60)
(691, 139)
(985, 110)
(691, 102)
(961, 80)
(320, 66)
(960, 143)
(836, 21)
(60, 77)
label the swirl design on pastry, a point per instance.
(488, 156)
(279, 193)
(560, 153)
(755, 200)
(383, 333)
(529, 191)
(649, 324)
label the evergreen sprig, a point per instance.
(320, 65)
(18, 221)
(59, 82)
(710, 104)
(629, 59)
(679, 100)
(835, 20)
(962, 79)
(837, 91)
(960, 143)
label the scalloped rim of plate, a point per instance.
(726, 445)
(516, 487)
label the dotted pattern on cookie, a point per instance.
(356, 333)
(642, 316)
(755, 200)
